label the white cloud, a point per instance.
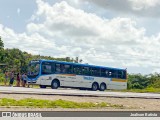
(66, 31)
(145, 8)
(144, 4)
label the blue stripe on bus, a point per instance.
(86, 65)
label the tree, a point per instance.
(77, 60)
(1, 50)
(1, 43)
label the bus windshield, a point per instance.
(33, 69)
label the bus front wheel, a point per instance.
(95, 86)
(102, 87)
(55, 84)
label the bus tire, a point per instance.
(55, 84)
(95, 86)
(102, 87)
(42, 86)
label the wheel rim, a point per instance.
(55, 84)
(94, 87)
(103, 87)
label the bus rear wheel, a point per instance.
(102, 87)
(95, 86)
(55, 84)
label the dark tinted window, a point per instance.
(85, 70)
(113, 73)
(47, 68)
(67, 68)
(109, 73)
(63, 68)
(125, 74)
(95, 71)
(77, 69)
(58, 68)
(122, 74)
(105, 72)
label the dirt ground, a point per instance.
(130, 104)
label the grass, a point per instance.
(37, 103)
(146, 90)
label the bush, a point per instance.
(138, 81)
(156, 84)
(2, 78)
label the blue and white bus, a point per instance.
(67, 74)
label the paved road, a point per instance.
(75, 92)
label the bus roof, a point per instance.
(87, 65)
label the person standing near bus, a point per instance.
(6, 77)
(18, 80)
(24, 79)
(11, 78)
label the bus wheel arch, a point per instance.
(55, 84)
(95, 86)
(103, 86)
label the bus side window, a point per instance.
(53, 67)
(86, 71)
(95, 71)
(105, 73)
(47, 68)
(124, 74)
(68, 69)
(43, 69)
(74, 69)
(57, 68)
(77, 69)
(62, 68)
(114, 73)
(120, 74)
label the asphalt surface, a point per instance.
(76, 92)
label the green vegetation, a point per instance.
(149, 89)
(1, 44)
(36, 103)
(18, 61)
(1, 77)
(143, 83)
(1, 48)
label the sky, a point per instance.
(113, 33)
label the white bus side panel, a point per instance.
(117, 85)
(69, 80)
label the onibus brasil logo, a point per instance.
(21, 114)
